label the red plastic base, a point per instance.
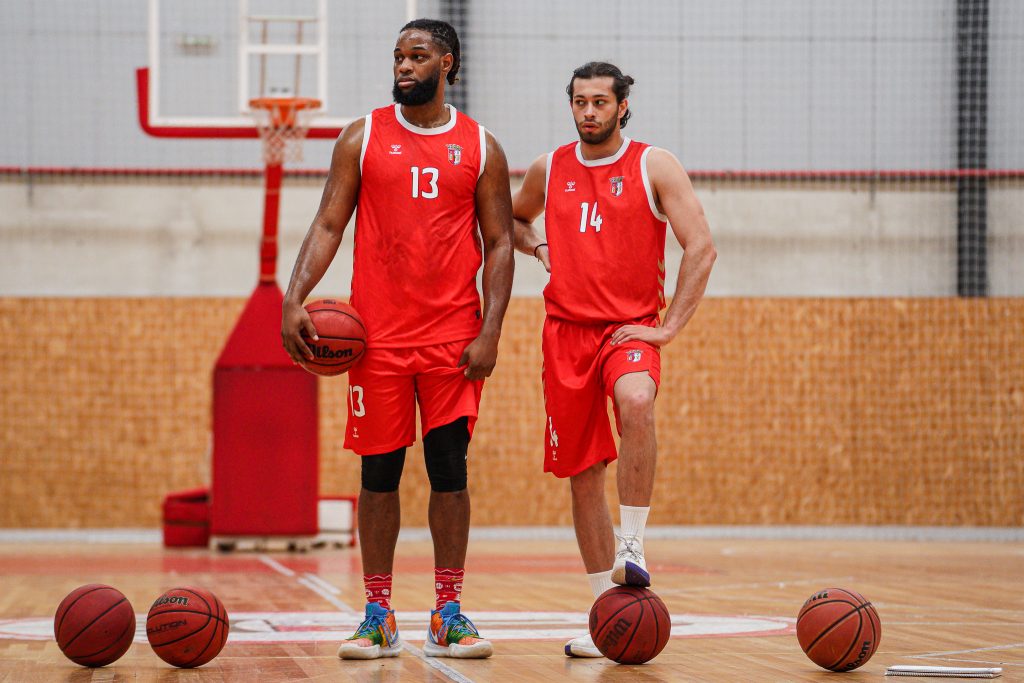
(186, 518)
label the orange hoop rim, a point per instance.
(283, 109)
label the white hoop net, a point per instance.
(283, 126)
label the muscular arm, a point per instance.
(494, 211)
(674, 196)
(526, 206)
(321, 242)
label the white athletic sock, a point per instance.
(600, 582)
(633, 521)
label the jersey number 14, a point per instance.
(595, 218)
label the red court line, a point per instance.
(341, 562)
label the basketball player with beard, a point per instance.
(423, 177)
(607, 201)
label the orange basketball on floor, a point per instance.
(187, 627)
(342, 337)
(94, 625)
(629, 625)
(838, 629)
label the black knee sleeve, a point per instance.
(381, 473)
(444, 449)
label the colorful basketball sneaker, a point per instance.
(376, 637)
(452, 634)
(582, 646)
(630, 568)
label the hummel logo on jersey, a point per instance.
(553, 434)
(570, 186)
(396, 149)
(616, 186)
(634, 355)
(454, 154)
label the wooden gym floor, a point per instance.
(733, 604)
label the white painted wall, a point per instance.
(200, 237)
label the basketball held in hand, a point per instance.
(341, 337)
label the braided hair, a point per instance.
(444, 36)
(620, 84)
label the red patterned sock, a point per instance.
(378, 589)
(447, 585)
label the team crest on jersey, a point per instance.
(634, 355)
(454, 154)
(396, 149)
(616, 186)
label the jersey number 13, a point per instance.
(430, 184)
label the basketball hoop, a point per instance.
(283, 123)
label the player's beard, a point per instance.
(598, 136)
(421, 93)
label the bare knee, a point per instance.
(636, 406)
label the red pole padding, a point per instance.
(271, 216)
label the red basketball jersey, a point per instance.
(606, 238)
(417, 249)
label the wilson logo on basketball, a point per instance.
(326, 352)
(864, 650)
(169, 626)
(176, 600)
(616, 632)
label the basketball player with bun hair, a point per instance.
(423, 176)
(607, 203)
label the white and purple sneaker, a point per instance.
(630, 569)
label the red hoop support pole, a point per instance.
(272, 175)
(271, 216)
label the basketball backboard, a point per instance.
(208, 60)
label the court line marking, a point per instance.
(952, 623)
(759, 584)
(334, 625)
(326, 595)
(443, 668)
(943, 656)
(323, 583)
(1011, 646)
(947, 609)
(276, 566)
(957, 660)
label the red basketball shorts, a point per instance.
(386, 385)
(580, 370)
